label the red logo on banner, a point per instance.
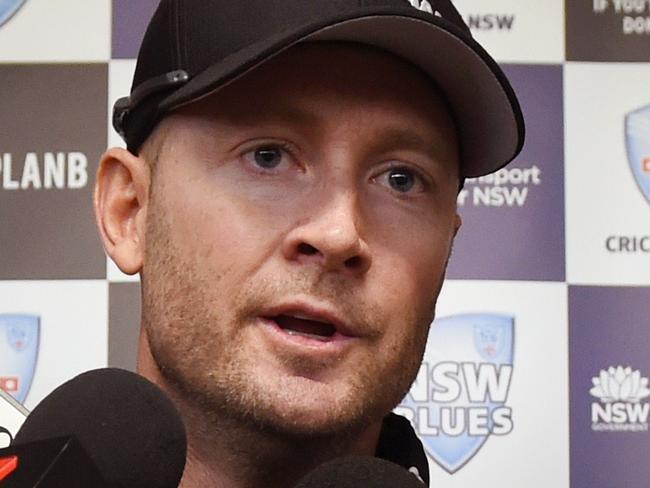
(646, 165)
(9, 383)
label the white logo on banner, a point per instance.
(491, 22)
(508, 187)
(637, 142)
(458, 398)
(635, 18)
(46, 171)
(423, 5)
(620, 391)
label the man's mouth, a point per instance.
(298, 325)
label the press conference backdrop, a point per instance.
(536, 371)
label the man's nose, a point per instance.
(329, 236)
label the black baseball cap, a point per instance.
(193, 47)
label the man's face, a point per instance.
(297, 234)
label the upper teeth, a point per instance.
(305, 317)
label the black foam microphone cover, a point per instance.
(128, 427)
(359, 472)
(52, 463)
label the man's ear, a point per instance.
(458, 222)
(121, 198)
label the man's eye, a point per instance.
(268, 157)
(401, 180)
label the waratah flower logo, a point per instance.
(620, 384)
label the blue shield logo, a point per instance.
(8, 8)
(19, 343)
(458, 398)
(637, 141)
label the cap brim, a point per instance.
(484, 105)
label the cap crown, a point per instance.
(192, 34)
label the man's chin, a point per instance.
(296, 422)
(321, 411)
(279, 403)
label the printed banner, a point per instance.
(487, 397)
(130, 21)
(48, 157)
(608, 174)
(42, 31)
(608, 30)
(50, 331)
(568, 220)
(610, 398)
(514, 31)
(513, 220)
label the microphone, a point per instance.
(107, 428)
(359, 472)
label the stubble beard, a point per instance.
(199, 352)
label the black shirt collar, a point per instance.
(399, 444)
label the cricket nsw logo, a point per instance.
(620, 407)
(19, 345)
(637, 141)
(459, 396)
(8, 8)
